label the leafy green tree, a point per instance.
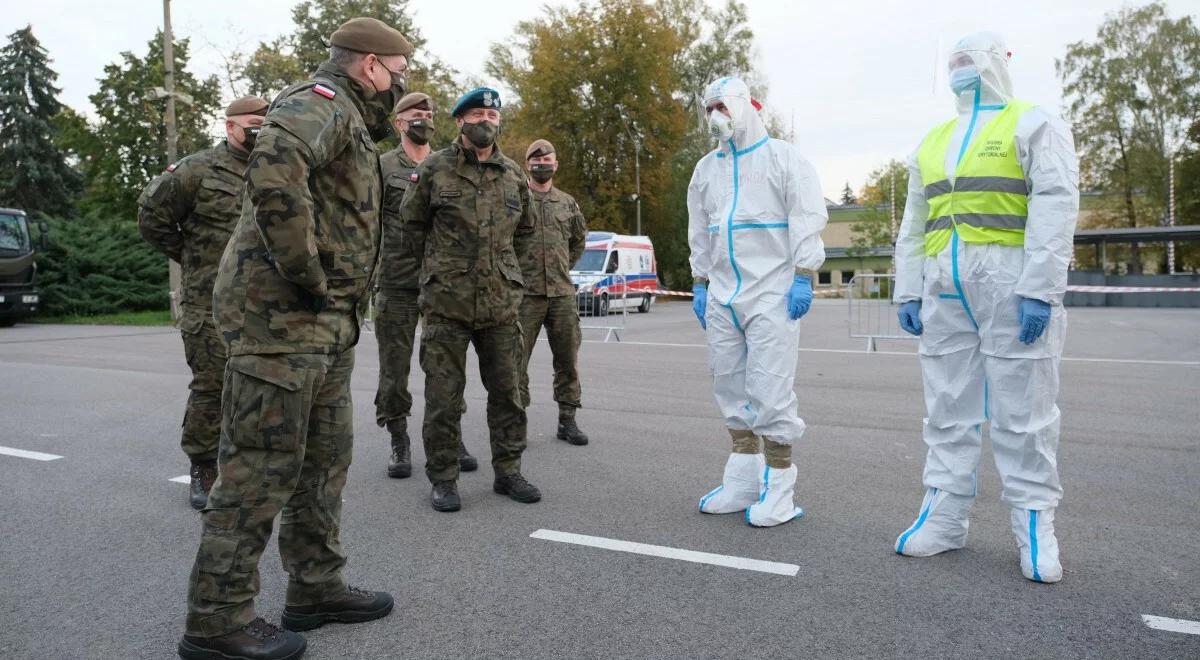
(1133, 92)
(291, 58)
(126, 146)
(34, 174)
(886, 185)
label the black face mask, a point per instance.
(419, 131)
(251, 133)
(376, 117)
(541, 172)
(481, 134)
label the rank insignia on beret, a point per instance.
(487, 99)
(324, 91)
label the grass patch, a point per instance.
(156, 317)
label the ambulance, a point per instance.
(616, 271)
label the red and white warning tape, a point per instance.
(1133, 289)
(1074, 288)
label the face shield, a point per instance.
(729, 113)
(980, 62)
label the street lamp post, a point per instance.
(637, 163)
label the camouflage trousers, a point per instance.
(205, 353)
(286, 445)
(444, 360)
(561, 318)
(396, 318)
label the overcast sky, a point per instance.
(856, 75)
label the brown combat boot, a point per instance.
(203, 476)
(353, 606)
(257, 640)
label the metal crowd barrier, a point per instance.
(872, 315)
(603, 305)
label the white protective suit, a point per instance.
(974, 367)
(755, 214)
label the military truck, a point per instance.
(18, 273)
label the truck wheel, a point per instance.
(645, 306)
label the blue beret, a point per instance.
(480, 97)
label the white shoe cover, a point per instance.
(941, 526)
(739, 488)
(775, 504)
(1038, 546)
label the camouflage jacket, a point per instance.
(460, 217)
(548, 254)
(295, 276)
(188, 214)
(397, 271)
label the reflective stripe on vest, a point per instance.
(988, 201)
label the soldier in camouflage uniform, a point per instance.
(547, 256)
(291, 290)
(396, 312)
(460, 217)
(188, 213)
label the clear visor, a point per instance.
(959, 60)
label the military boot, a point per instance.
(466, 462)
(257, 640)
(203, 475)
(515, 486)
(400, 463)
(445, 496)
(567, 429)
(353, 606)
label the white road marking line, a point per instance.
(184, 479)
(1172, 625)
(668, 553)
(35, 455)
(847, 351)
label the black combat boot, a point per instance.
(466, 462)
(400, 464)
(203, 476)
(445, 496)
(567, 430)
(353, 606)
(515, 486)
(257, 640)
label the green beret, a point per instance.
(480, 97)
(247, 105)
(370, 35)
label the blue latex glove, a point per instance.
(1034, 316)
(799, 297)
(910, 317)
(700, 303)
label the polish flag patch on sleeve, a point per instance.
(172, 166)
(324, 91)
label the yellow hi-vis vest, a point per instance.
(988, 202)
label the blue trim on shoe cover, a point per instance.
(917, 525)
(1033, 549)
(761, 498)
(704, 500)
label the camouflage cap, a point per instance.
(480, 97)
(413, 100)
(370, 35)
(247, 105)
(539, 148)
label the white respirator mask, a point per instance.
(720, 126)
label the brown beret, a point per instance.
(247, 105)
(413, 100)
(370, 35)
(539, 148)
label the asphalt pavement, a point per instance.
(96, 546)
